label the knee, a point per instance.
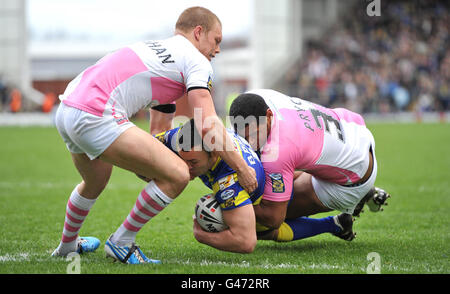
(92, 190)
(180, 177)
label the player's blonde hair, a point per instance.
(196, 16)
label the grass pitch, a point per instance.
(410, 236)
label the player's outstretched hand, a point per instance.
(247, 179)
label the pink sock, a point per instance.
(76, 211)
(150, 202)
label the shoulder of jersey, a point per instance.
(186, 48)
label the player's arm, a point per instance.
(240, 237)
(271, 211)
(212, 127)
(161, 118)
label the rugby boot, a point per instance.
(345, 222)
(374, 199)
(84, 244)
(131, 253)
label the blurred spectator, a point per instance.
(16, 100)
(4, 94)
(399, 61)
(49, 102)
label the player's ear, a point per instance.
(269, 117)
(197, 32)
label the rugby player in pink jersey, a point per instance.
(315, 160)
(93, 120)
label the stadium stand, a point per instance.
(399, 61)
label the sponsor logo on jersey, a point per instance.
(277, 182)
(161, 137)
(226, 182)
(209, 83)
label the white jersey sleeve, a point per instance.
(198, 73)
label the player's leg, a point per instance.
(312, 196)
(139, 152)
(305, 227)
(95, 175)
(304, 201)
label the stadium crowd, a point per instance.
(399, 61)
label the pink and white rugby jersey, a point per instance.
(140, 75)
(330, 144)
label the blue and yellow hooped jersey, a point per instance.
(221, 178)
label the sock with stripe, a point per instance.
(150, 202)
(77, 209)
(304, 227)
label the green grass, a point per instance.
(411, 235)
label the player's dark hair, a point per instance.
(189, 138)
(248, 105)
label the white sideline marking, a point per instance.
(245, 264)
(26, 119)
(23, 256)
(313, 266)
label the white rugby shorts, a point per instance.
(341, 198)
(86, 133)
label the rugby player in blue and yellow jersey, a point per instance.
(236, 203)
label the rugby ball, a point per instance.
(209, 214)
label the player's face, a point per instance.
(256, 134)
(199, 162)
(253, 135)
(209, 42)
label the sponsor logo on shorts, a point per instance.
(227, 194)
(120, 121)
(228, 198)
(228, 203)
(119, 118)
